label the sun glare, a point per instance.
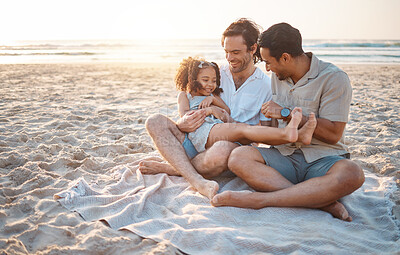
(119, 19)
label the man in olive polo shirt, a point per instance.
(297, 175)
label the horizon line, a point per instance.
(177, 39)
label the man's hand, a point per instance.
(271, 109)
(206, 102)
(191, 121)
(221, 114)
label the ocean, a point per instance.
(173, 51)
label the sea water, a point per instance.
(173, 51)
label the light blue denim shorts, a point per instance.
(295, 167)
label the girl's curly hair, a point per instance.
(186, 75)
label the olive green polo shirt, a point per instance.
(325, 90)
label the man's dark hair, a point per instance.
(250, 32)
(281, 38)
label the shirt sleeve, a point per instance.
(267, 97)
(336, 98)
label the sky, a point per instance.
(178, 19)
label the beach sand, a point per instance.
(60, 122)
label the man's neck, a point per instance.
(240, 78)
(301, 67)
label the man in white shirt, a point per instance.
(245, 89)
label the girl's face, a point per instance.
(208, 80)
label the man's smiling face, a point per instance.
(273, 65)
(236, 53)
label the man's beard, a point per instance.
(244, 64)
(282, 76)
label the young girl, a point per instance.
(199, 82)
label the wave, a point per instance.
(181, 44)
(358, 56)
(118, 44)
(356, 45)
(62, 46)
(53, 53)
(175, 50)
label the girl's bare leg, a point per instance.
(238, 132)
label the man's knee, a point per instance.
(215, 159)
(239, 157)
(349, 175)
(155, 122)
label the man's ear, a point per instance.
(254, 48)
(286, 57)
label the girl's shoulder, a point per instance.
(182, 95)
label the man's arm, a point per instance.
(326, 131)
(221, 114)
(270, 123)
(191, 121)
(267, 123)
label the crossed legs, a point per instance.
(273, 189)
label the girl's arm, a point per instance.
(220, 103)
(183, 104)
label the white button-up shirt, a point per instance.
(245, 103)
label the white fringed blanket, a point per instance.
(164, 207)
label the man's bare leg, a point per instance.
(256, 200)
(168, 140)
(213, 161)
(155, 165)
(343, 178)
(210, 163)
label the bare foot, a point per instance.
(243, 199)
(156, 167)
(307, 130)
(256, 200)
(152, 158)
(291, 129)
(206, 188)
(338, 211)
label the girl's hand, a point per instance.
(206, 102)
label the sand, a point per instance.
(59, 122)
